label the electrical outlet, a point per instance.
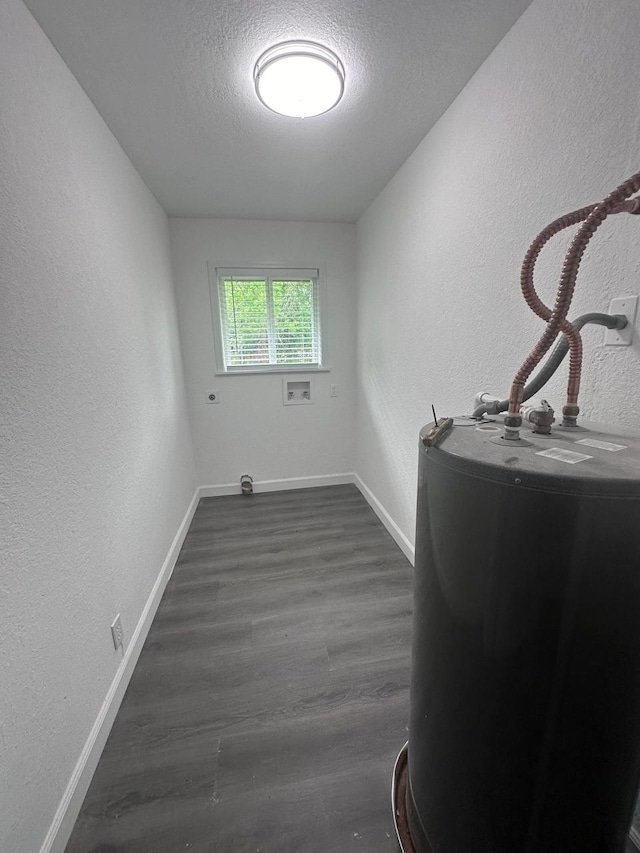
(213, 397)
(627, 305)
(117, 632)
(333, 390)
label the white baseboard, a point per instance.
(73, 797)
(405, 545)
(277, 485)
(402, 541)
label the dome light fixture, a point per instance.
(299, 79)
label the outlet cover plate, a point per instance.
(213, 397)
(627, 305)
(117, 633)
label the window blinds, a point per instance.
(270, 319)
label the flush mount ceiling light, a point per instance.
(299, 79)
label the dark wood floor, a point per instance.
(271, 696)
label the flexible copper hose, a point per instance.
(526, 277)
(530, 259)
(592, 216)
(533, 252)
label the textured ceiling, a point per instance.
(173, 80)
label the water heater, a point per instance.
(525, 698)
(524, 732)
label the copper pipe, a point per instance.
(528, 287)
(526, 277)
(592, 217)
(526, 273)
(527, 283)
(567, 220)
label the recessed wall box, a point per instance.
(296, 392)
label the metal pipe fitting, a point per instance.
(512, 424)
(570, 414)
(542, 417)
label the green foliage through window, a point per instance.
(269, 321)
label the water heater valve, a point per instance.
(540, 416)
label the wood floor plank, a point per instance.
(311, 747)
(271, 696)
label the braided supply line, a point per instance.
(592, 217)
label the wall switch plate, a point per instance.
(117, 632)
(333, 390)
(627, 305)
(213, 397)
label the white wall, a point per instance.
(251, 431)
(548, 123)
(96, 465)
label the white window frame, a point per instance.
(270, 271)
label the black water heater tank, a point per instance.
(525, 699)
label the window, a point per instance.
(268, 319)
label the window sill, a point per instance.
(252, 371)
